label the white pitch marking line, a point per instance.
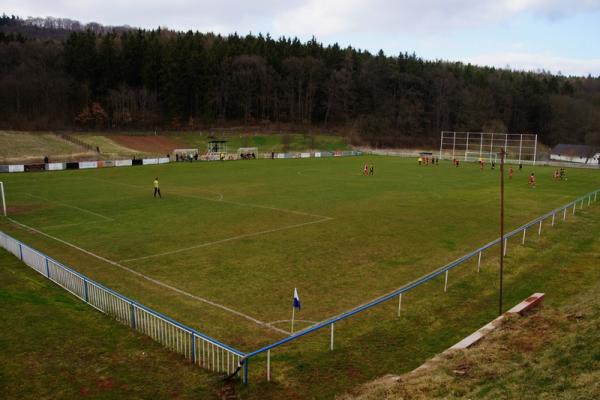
(73, 224)
(289, 320)
(225, 201)
(225, 240)
(71, 206)
(155, 281)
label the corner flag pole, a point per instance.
(293, 315)
(295, 304)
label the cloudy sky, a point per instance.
(555, 35)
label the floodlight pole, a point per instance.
(502, 155)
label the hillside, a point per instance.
(120, 78)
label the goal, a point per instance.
(472, 146)
(247, 153)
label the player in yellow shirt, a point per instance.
(156, 188)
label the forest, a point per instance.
(61, 74)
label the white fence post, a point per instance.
(589, 200)
(553, 219)
(524, 233)
(269, 365)
(331, 343)
(574, 206)
(479, 262)
(446, 282)
(565, 214)
(505, 246)
(540, 229)
(399, 303)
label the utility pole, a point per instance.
(502, 244)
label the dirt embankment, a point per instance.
(148, 144)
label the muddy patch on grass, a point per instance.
(22, 208)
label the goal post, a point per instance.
(3, 198)
(472, 146)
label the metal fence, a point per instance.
(561, 212)
(199, 348)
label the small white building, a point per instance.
(575, 153)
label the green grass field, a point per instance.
(244, 234)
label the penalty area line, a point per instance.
(71, 206)
(155, 281)
(226, 240)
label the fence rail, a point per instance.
(587, 198)
(199, 348)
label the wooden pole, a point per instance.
(502, 154)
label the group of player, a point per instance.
(559, 175)
(368, 170)
(427, 161)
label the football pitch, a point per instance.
(226, 245)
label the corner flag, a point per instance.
(296, 299)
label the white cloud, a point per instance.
(537, 62)
(412, 16)
(302, 17)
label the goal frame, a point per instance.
(519, 147)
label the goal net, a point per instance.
(472, 146)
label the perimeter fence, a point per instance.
(199, 348)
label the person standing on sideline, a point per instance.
(372, 170)
(156, 188)
(510, 173)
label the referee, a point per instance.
(156, 188)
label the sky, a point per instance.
(560, 36)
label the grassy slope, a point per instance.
(16, 145)
(387, 229)
(20, 145)
(109, 148)
(54, 346)
(553, 354)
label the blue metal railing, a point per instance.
(132, 303)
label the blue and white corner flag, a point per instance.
(296, 299)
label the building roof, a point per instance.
(572, 150)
